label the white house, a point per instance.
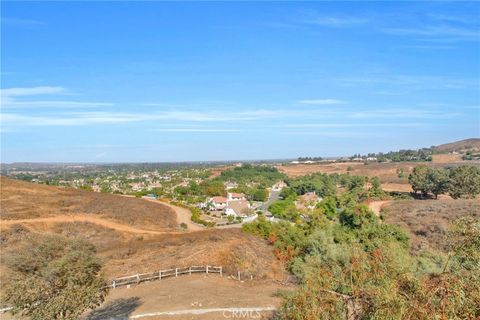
(308, 201)
(230, 185)
(218, 203)
(238, 208)
(279, 186)
(233, 196)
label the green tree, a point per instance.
(464, 182)
(437, 181)
(328, 206)
(357, 217)
(418, 179)
(54, 278)
(213, 188)
(375, 191)
(261, 194)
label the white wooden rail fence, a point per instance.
(159, 275)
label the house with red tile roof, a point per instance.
(218, 203)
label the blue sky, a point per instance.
(152, 81)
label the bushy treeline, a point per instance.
(460, 182)
(327, 184)
(309, 158)
(353, 266)
(424, 154)
(252, 174)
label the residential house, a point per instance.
(239, 208)
(279, 186)
(233, 196)
(308, 201)
(218, 203)
(230, 185)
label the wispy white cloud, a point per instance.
(330, 20)
(323, 101)
(12, 98)
(89, 118)
(59, 104)
(449, 32)
(405, 113)
(413, 82)
(197, 130)
(332, 134)
(354, 125)
(32, 91)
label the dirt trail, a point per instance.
(84, 218)
(183, 215)
(376, 206)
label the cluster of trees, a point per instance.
(310, 159)
(358, 189)
(471, 155)
(253, 174)
(460, 182)
(352, 266)
(424, 154)
(326, 185)
(207, 188)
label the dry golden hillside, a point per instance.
(428, 221)
(131, 235)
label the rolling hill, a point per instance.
(131, 235)
(459, 146)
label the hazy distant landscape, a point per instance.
(285, 160)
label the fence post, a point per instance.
(206, 269)
(160, 275)
(176, 272)
(238, 275)
(221, 274)
(190, 271)
(113, 284)
(138, 278)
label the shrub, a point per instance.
(55, 278)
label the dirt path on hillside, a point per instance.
(183, 215)
(84, 218)
(376, 206)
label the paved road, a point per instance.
(274, 196)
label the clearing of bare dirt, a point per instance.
(193, 297)
(428, 221)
